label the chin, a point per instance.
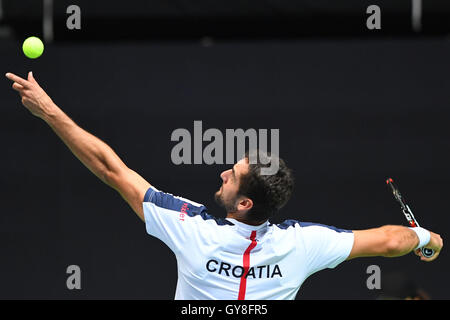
(219, 193)
(218, 198)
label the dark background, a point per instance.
(353, 108)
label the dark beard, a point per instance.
(219, 200)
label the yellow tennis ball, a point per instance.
(33, 47)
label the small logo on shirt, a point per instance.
(264, 271)
(183, 211)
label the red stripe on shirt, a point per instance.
(246, 265)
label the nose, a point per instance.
(225, 175)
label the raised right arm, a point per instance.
(96, 155)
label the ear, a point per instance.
(245, 204)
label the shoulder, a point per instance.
(307, 226)
(185, 208)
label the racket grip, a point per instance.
(427, 253)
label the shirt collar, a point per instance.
(247, 227)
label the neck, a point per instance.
(234, 215)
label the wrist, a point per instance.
(424, 236)
(50, 112)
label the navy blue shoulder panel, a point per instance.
(291, 223)
(287, 223)
(170, 202)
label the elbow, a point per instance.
(109, 177)
(115, 178)
(112, 172)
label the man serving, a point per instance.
(243, 256)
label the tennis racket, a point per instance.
(426, 252)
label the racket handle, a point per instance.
(427, 253)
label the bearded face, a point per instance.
(227, 195)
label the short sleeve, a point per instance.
(325, 246)
(170, 218)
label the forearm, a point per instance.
(96, 155)
(386, 241)
(400, 241)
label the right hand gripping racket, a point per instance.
(426, 252)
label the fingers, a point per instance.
(17, 79)
(429, 259)
(418, 252)
(31, 78)
(17, 87)
(422, 258)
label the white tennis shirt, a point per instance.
(228, 260)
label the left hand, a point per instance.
(34, 98)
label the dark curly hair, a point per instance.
(269, 193)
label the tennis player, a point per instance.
(243, 256)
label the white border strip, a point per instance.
(416, 15)
(47, 21)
